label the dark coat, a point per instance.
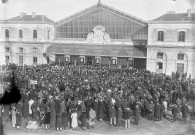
(101, 110)
(59, 120)
(184, 110)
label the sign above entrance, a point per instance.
(98, 36)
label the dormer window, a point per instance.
(160, 36)
(181, 36)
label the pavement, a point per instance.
(145, 127)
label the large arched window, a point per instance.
(160, 36)
(181, 36)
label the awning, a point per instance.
(97, 50)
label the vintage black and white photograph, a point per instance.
(97, 67)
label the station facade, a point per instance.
(100, 35)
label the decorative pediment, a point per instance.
(98, 36)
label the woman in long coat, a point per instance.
(25, 110)
(184, 111)
(18, 114)
(65, 119)
(47, 115)
(137, 110)
(83, 116)
(13, 116)
(59, 120)
(52, 115)
(157, 109)
(101, 110)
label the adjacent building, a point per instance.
(171, 43)
(24, 38)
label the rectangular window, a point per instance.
(20, 60)
(181, 36)
(20, 34)
(180, 56)
(6, 59)
(48, 34)
(20, 50)
(6, 33)
(160, 55)
(180, 67)
(159, 65)
(160, 35)
(34, 60)
(7, 49)
(35, 34)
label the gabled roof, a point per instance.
(30, 19)
(175, 17)
(103, 6)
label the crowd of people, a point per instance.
(62, 97)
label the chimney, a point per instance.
(22, 14)
(170, 12)
(189, 12)
(33, 14)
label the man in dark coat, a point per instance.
(137, 110)
(101, 110)
(184, 109)
(157, 109)
(174, 112)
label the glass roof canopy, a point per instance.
(118, 25)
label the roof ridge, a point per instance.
(104, 6)
(79, 12)
(123, 12)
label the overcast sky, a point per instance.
(59, 9)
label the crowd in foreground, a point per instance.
(63, 97)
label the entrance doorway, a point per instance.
(90, 60)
